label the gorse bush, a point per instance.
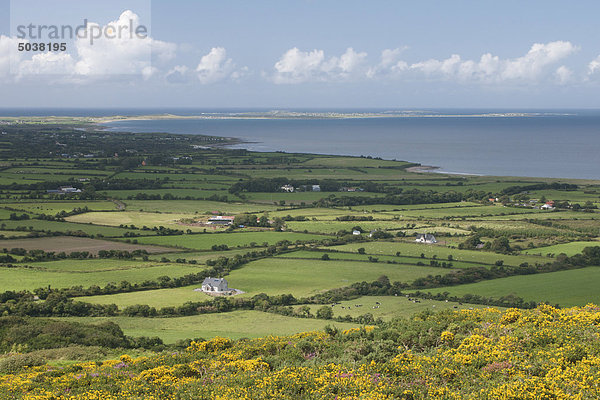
(544, 353)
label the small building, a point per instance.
(214, 285)
(547, 207)
(425, 238)
(356, 232)
(287, 188)
(220, 220)
(64, 190)
(316, 188)
(69, 189)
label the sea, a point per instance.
(544, 143)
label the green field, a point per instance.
(137, 218)
(158, 298)
(308, 277)
(333, 255)
(569, 249)
(244, 239)
(66, 227)
(416, 249)
(567, 288)
(386, 194)
(235, 325)
(70, 244)
(30, 279)
(390, 307)
(97, 265)
(195, 206)
(54, 207)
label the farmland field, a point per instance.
(415, 250)
(30, 279)
(154, 298)
(288, 252)
(304, 277)
(569, 249)
(70, 244)
(235, 325)
(567, 288)
(390, 307)
(206, 241)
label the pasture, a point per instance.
(71, 228)
(576, 287)
(569, 249)
(158, 298)
(241, 239)
(442, 253)
(195, 207)
(20, 278)
(390, 307)
(333, 255)
(52, 207)
(235, 325)
(70, 244)
(308, 277)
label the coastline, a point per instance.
(311, 115)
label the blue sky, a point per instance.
(319, 53)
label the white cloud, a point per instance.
(563, 75)
(178, 74)
(7, 50)
(594, 66)
(489, 69)
(296, 66)
(216, 67)
(125, 53)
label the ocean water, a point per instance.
(562, 146)
(554, 143)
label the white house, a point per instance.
(316, 188)
(287, 188)
(214, 285)
(356, 232)
(221, 220)
(547, 207)
(425, 238)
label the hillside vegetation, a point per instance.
(544, 353)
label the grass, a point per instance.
(154, 298)
(308, 277)
(51, 207)
(390, 307)
(416, 249)
(569, 249)
(466, 212)
(69, 244)
(195, 206)
(235, 325)
(335, 226)
(568, 288)
(202, 256)
(137, 218)
(13, 234)
(98, 265)
(316, 255)
(242, 239)
(30, 279)
(65, 227)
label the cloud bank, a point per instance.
(296, 66)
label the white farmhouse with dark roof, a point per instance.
(425, 238)
(214, 285)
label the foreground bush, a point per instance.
(544, 353)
